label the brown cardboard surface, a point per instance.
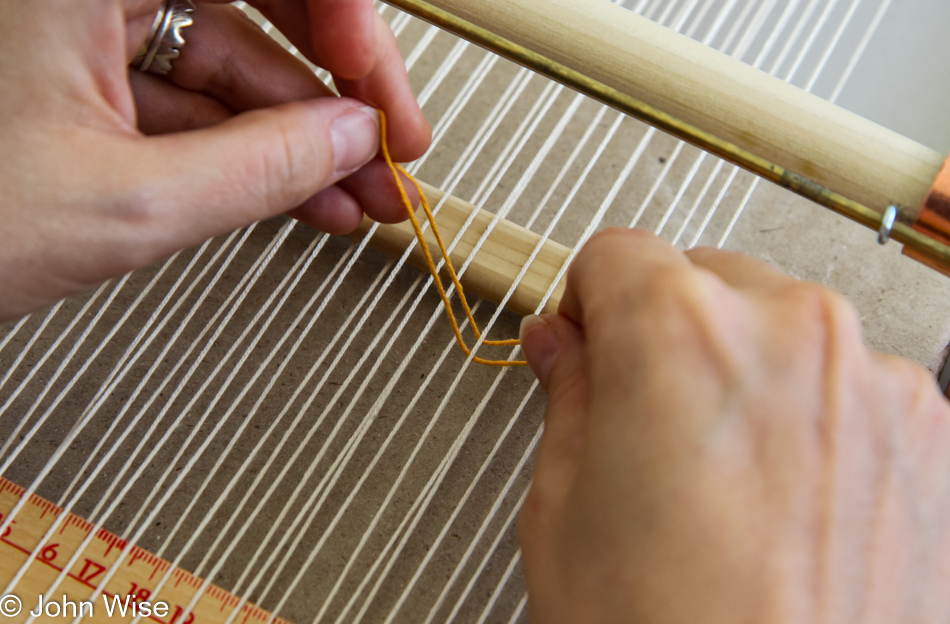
(199, 441)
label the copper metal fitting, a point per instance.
(934, 218)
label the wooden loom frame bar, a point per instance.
(696, 93)
(765, 125)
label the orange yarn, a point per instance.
(396, 170)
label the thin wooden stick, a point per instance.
(498, 262)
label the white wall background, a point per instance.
(903, 79)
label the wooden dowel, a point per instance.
(716, 93)
(497, 263)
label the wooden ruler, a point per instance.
(125, 589)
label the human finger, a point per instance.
(292, 18)
(555, 350)
(343, 36)
(338, 35)
(139, 20)
(332, 210)
(139, 8)
(609, 271)
(387, 87)
(382, 83)
(256, 165)
(738, 270)
(162, 107)
(654, 323)
(339, 209)
(375, 189)
(554, 347)
(230, 58)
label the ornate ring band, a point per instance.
(165, 43)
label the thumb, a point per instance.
(556, 351)
(255, 166)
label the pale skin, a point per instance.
(719, 446)
(106, 170)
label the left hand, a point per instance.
(246, 132)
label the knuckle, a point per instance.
(916, 383)
(542, 504)
(820, 330)
(588, 252)
(601, 251)
(842, 316)
(280, 165)
(672, 306)
(923, 387)
(838, 309)
(603, 241)
(819, 306)
(687, 301)
(668, 292)
(700, 253)
(613, 234)
(902, 396)
(671, 291)
(675, 284)
(673, 310)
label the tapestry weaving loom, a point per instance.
(286, 414)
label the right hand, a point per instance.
(720, 446)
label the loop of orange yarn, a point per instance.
(396, 169)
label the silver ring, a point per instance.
(887, 224)
(165, 43)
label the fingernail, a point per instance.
(539, 343)
(355, 137)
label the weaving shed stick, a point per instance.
(498, 262)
